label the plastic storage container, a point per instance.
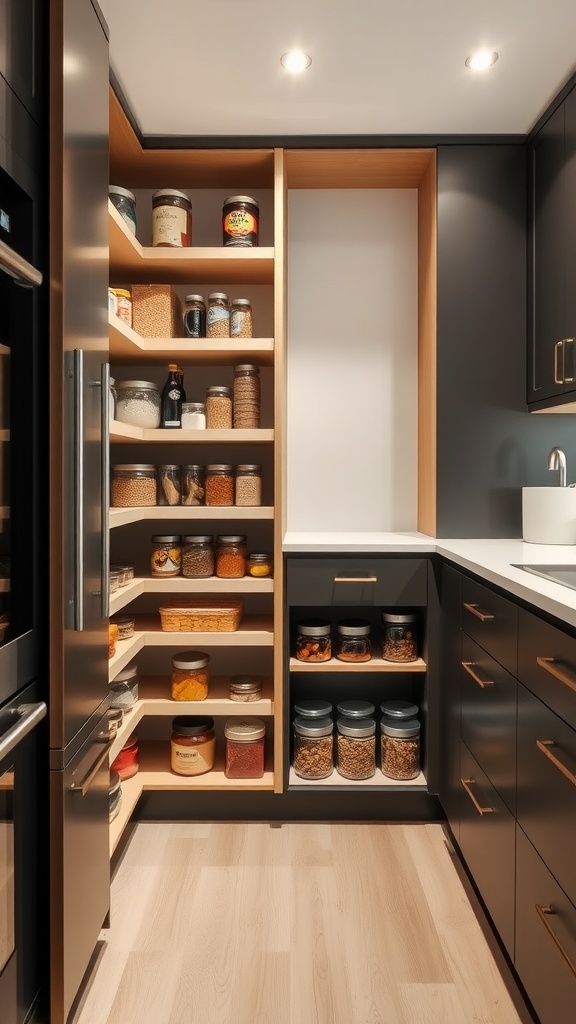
(138, 403)
(313, 747)
(313, 641)
(124, 688)
(133, 485)
(194, 615)
(400, 748)
(190, 675)
(353, 640)
(245, 741)
(198, 556)
(193, 745)
(399, 642)
(166, 555)
(230, 556)
(356, 748)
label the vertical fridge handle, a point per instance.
(105, 490)
(78, 496)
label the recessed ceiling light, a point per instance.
(295, 61)
(481, 60)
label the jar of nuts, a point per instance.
(313, 747)
(356, 748)
(230, 556)
(400, 743)
(353, 640)
(399, 637)
(218, 316)
(218, 408)
(219, 485)
(133, 485)
(198, 556)
(248, 485)
(313, 641)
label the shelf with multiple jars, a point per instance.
(127, 346)
(143, 513)
(181, 585)
(375, 664)
(125, 432)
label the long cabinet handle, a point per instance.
(26, 718)
(566, 343)
(475, 610)
(466, 783)
(355, 579)
(105, 490)
(557, 379)
(84, 786)
(544, 913)
(469, 666)
(544, 748)
(18, 268)
(549, 665)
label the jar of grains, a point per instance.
(356, 748)
(218, 408)
(169, 484)
(241, 318)
(123, 307)
(246, 396)
(138, 403)
(313, 747)
(399, 637)
(124, 688)
(166, 555)
(193, 745)
(198, 556)
(399, 709)
(400, 742)
(259, 564)
(133, 485)
(240, 221)
(193, 416)
(125, 203)
(245, 688)
(353, 640)
(218, 316)
(248, 485)
(313, 708)
(190, 675)
(230, 556)
(219, 485)
(171, 218)
(355, 708)
(192, 486)
(194, 317)
(244, 748)
(126, 763)
(313, 640)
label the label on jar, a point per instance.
(216, 314)
(193, 323)
(170, 226)
(239, 223)
(166, 561)
(187, 760)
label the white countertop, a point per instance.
(492, 560)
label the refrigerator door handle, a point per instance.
(105, 490)
(18, 268)
(84, 786)
(28, 716)
(74, 599)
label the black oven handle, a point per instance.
(28, 716)
(18, 268)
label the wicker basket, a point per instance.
(156, 311)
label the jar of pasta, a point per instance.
(230, 556)
(190, 675)
(166, 556)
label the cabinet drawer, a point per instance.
(487, 841)
(491, 621)
(488, 722)
(546, 800)
(357, 581)
(545, 942)
(547, 664)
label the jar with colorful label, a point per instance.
(244, 748)
(171, 218)
(240, 221)
(126, 763)
(123, 304)
(166, 556)
(193, 745)
(194, 316)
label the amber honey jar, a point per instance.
(240, 221)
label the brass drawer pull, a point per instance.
(469, 666)
(481, 810)
(355, 579)
(475, 610)
(544, 913)
(557, 379)
(544, 748)
(549, 665)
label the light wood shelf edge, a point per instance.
(208, 513)
(125, 343)
(378, 782)
(374, 665)
(182, 585)
(122, 432)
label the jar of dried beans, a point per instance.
(219, 485)
(166, 555)
(133, 485)
(230, 556)
(193, 745)
(313, 640)
(245, 738)
(218, 408)
(190, 675)
(169, 484)
(218, 316)
(313, 747)
(356, 744)
(192, 485)
(353, 640)
(241, 318)
(246, 396)
(399, 637)
(400, 742)
(248, 485)
(198, 557)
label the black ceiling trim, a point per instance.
(553, 106)
(126, 107)
(325, 141)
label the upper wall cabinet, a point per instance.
(21, 36)
(552, 354)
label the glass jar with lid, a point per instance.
(356, 746)
(193, 485)
(399, 709)
(133, 485)
(245, 688)
(230, 556)
(114, 577)
(259, 564)
(194, 316)
(126, 763)
(313, 747)
(240, 221)
(400, 748)
(193, 745)
(219, 484)
(113, 399)
(313, 640)
(353, 640)
(218, 316)
(399, 641)
(138, 403)
(122, 304)
(245, 741)
(218, 408)
(124, 688)
(171, 218)
(248, 491)
(166, 555)
(313, 709)
(193, 416)
(190, 675)
(241, 318)
(198, 556)
(355, 708)
(169, 484)
(246, 396)
(125, 202)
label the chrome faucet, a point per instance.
(557, 460)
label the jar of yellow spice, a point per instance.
(259, 563)
(190, 675)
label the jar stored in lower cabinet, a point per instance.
(248, 491)
(313, 640)
(399, 710)
(230, 556)
(355, 708)
(353, 640)
(198, 556)
(192, 745)
(245, 740)
(190, 675)
(219, 485)
(166, 556)
(171, 218)
(313, 709)
(313, 747)
(400, 748)
(356, 746)
(399, 642)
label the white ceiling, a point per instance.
(212, 67)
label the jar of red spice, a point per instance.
(126, 763)
(193, 745)
(219, 485)
(230, 556)
(244, 748)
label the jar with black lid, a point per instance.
(399, 641)
(240, 221)
(355, 708)
(353, 640)
(313, 747)
(313, 641)
(171, 218)
(125, 202)
(194, 316)
(356, 748)
(400, 748)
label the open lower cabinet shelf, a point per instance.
(122, 432)
(375, 664)
(182, 585)
(377, 781)
(183, 513)
(127, 346)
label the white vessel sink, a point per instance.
(549, 515)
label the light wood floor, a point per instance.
(304, 924)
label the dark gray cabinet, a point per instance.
(449, 696)
(21, 40)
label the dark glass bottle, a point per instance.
(172, 397)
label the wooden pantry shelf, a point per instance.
(131, 793)
(374, 665)
(129, 347)
(377, 781)
(181, 585)
(122, 432)
(154, 758)
(182, 513)
(132, 263)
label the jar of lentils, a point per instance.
(194, 317)
(218, 408)
(313, 641)
(133, 485)
(356, 748)
(219, 484)
(399, 637)
(245, 738)
(192, 485)
(218, 316)
(248, 485)
(166, 555)
(246, 396)
(241, 318)
(400, 748)
(353, 640)
(198, 556)
(230, 556)
(313, 747)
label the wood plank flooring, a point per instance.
(303, 924)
